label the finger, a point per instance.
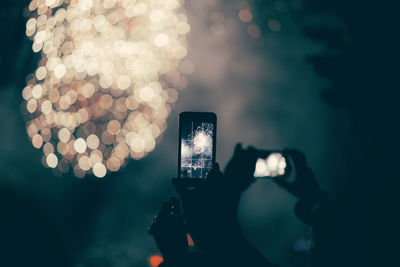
(238, 152)
(238, 148)
(214, 171)
(298, 157)
(216, 166)
(264, 153)
(289, 165)
(299, 164)
(252, 154)
(252, 149)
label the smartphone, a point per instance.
(197, 144)
(273, 165)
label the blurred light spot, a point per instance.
(190, 240)
(52, 160)
(27, 93)
(172, 95)
(180, 52)
(46, 107)
(187, 67)
(113, 164)
(182, 28)
(124, 82)
(161, 40)
(31, 105)
(108, 68)
(50, 2)
(217, 29)
(48, 149)
(146, 93)
(31, 24)
(41, 73)
(37, 91)
(37, 141)
(109, 3)
(253, 31)
(84, 163)
(274, 25)
(113, 127)
(64, 135)
(78, 172)
(156, 15)
(131, 103)
(86, 4)
(99, 170)
(96, 157)
(245, 15)
(155, 260)
(92, 141)
(80, 145)
(40, 36)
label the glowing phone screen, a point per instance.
(196, 148)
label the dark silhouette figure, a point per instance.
(340, 232)
(359, 60)
(303, 185)
(210, 212)
(341, 229)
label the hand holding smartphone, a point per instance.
(197, 150)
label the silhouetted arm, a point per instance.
(210, 211)
(169, 233)
(303, 185)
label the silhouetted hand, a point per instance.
(240, 169)
(206, 208)
(210, 210)
(169, 232)
(304, 185)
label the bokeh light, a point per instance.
(274, 165)
(245, 15)
(155, 260)
(108, 76)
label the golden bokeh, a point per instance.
(109, 72)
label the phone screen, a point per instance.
(197, 132)
(272, 166)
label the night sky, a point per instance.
(271, 92)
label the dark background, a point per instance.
(325, 83)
